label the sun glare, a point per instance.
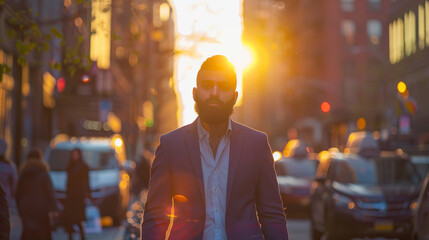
(206, 28)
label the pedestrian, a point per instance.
(4, 215)
(35, 198)
(76, 193)
(143, 168)
(8, 174)
(214, 178)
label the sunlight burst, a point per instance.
(206, 28)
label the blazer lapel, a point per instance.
(193, 146)
(236, 148)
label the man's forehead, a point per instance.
(214, 75)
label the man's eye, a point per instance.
(223, 86)
(207, 84)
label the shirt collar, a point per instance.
(204, 134)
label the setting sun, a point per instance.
(206, 28)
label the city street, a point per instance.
(101, 100)
(299, 229)
(108, 233)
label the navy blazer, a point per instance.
(253, 204)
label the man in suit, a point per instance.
(214, 178)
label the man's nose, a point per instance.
(215, 90)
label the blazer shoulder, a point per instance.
(178, 133)
(248, 131)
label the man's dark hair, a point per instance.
(222, 64)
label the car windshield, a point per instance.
(422, 168)
(95, 159)
(300, 168)
(379, 171)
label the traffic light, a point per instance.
(325, 107)
(61, 84)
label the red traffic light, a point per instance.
(325, 106)
(61, 84)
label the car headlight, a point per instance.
(413, 205)
(343, 201)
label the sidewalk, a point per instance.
(108, 233)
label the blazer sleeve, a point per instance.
(158, 206)
(268, 202)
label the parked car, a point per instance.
(421, 214)
(108, 179)
(365, 193)
(295, 174)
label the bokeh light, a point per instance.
(361, 123)
(325, 107)
(402, 87)
(277, 155)
(85, 78)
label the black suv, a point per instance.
(363, 196)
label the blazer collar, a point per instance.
(193, 146)
(237, 142)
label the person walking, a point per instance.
(4, 215)
(35, 198)
(8, 174)
(76, 193)
(8, 180)
(214, 178)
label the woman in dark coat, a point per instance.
(35, 198)
(77, 191)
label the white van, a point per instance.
(105, 157)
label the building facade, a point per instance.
(408, 55)
(330, 51)
(125, 85)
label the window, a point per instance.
(95, 159)
(396, 40)
(374, 30)
(350, 85)
(427, 22)
(421, 26)
(6, 97)
(348, 31)
(374, 5)
(348, 5)
(410, 32)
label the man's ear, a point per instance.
(193, 93)
(236, 97)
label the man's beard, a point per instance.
(212, 114)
